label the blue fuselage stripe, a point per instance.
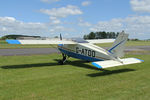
(79, 56)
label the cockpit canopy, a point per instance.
(79, 40)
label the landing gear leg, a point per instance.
(63, 59)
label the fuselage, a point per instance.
(85, 51)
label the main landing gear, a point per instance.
(63, 59)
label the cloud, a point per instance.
(54, 21)
(86, 3)
(114, 24)
(83, 23)
(9, 25)
(60, 29)
(135, 25)
(140, 5)
(49, 1)
(62, 12)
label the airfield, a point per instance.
(37, 51)
(36, 75)
(132, 47)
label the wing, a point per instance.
(51, 41)
(101, 40)
(112, 63)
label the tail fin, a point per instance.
(118, 46)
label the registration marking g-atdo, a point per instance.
(85, 52)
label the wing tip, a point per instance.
(96, 65)
(13, 41)
(140, 60)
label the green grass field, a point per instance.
(129, 43)
(4, 45)
(39, 77)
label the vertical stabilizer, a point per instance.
(118, 46)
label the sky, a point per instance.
(75, 18)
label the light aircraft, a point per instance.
(86, 50)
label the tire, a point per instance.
(60, 62)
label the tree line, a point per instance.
(101, 35)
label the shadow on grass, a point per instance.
(82, 64)
(108, 72)
(77, 63)
(29, 65)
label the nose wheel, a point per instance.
(63, 59)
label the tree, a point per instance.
(101, 35)
(56, 37)
(85, 37)
(91, 35)
(113, 35)
(104, 35)
(117, 34)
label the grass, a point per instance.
(39, 77)
(3, 42)
(138, 43)
(4, 45)
(129, 43)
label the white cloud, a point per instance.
(62, 12)
(49, 1)
(135, 25)
(86, 3)
(9, 25)
(4, 29)
(61, 29)
(114, 24)
(140, 5)
(83, 23)
(54, 21)
(10, 19)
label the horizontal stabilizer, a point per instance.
(113, 63)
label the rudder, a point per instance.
(117, 49)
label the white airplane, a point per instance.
(86, 50)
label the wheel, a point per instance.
(60, 62)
